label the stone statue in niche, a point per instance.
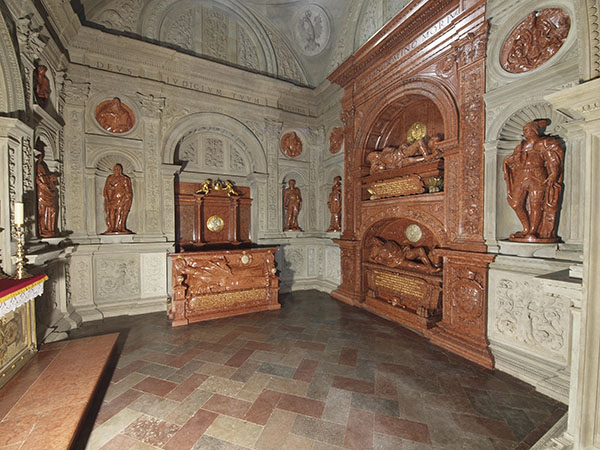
(336, 140)
(41, 86)
(47, 194)
(118, 196)
(533, 175)
(335, 205)
(115, 116)
(535, 40)
(391, 254)
(291, 145)
(292, 202)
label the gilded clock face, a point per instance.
(215, 223)
(413, 232)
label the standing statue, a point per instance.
(47, 194)
(292, 202)
(534, 174)
(335, 205)
(41, 86)
(118, 196)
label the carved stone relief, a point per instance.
(117, 277)
(213, 156)
(214, 32)
(115, 116)
(247, 54)
(312, 29)
(336, 140)
(180, 29)
(154, 274)
(291, 144)
(535, 40)
(122, 15)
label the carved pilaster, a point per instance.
(349, 289)
(272, 133)
(463, 328)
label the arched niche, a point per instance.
(415, 100)
(103, 163)
(12, 94)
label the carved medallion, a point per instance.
(291, 145)
(114, 116)
(535, 40)
(413, 232)
(215, 223)
(312, 29)
(336, 140)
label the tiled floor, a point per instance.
(316, 375)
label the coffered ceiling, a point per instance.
(300, 41)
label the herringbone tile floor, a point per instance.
(316, 375)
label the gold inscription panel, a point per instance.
(409, 185)
(226, 299)
(401, 283)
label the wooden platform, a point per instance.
(43, 406)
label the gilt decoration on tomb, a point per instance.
(115, 116)
(535, 40)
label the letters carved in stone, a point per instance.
(535, 40)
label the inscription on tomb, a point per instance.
(400, 283)
(409, 185)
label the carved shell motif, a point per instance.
(535, 40)
(291, 145)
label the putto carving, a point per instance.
(336, 140)
(533, 175)
(335, 205)
(41, 86)
(118, 196)
(535, 40)
(115, 116)
(292, 202)
(47, 194)
(291, 144)
(312, 30)
(391, 254)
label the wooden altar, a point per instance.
(217, 272)
(412, 247)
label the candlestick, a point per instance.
(18, 214)
(19, 234)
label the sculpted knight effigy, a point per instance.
(534, 175)
(118, 196)
(292, 202)
(47, 194)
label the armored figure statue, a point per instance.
(533, 175)
(118, 196)
(47, 194)
(335, 205)
(292, 202)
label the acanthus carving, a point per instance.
(214, 153)
(150, 105)
(31, 41)
(467, 292)
(247, 54)
(473, 46)
(288, 67)
(535, 40)
(524, 313)
(75, 93)
(180, 31)
(122, 16)
(214, 32)
(336, 140)
(291, 144)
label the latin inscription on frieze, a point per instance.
(400, 283)
(408, 185)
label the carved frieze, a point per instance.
(535, 40)
(291, 144)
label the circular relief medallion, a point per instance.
(417, 131)
(114, 116)
(413, 232)
(291, 145)
(312, 29)
(336, 140)
(535, 40)
(215, 223)
(245, 259)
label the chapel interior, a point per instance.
(282, 224)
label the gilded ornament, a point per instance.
(417, 131)
(215, 223)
